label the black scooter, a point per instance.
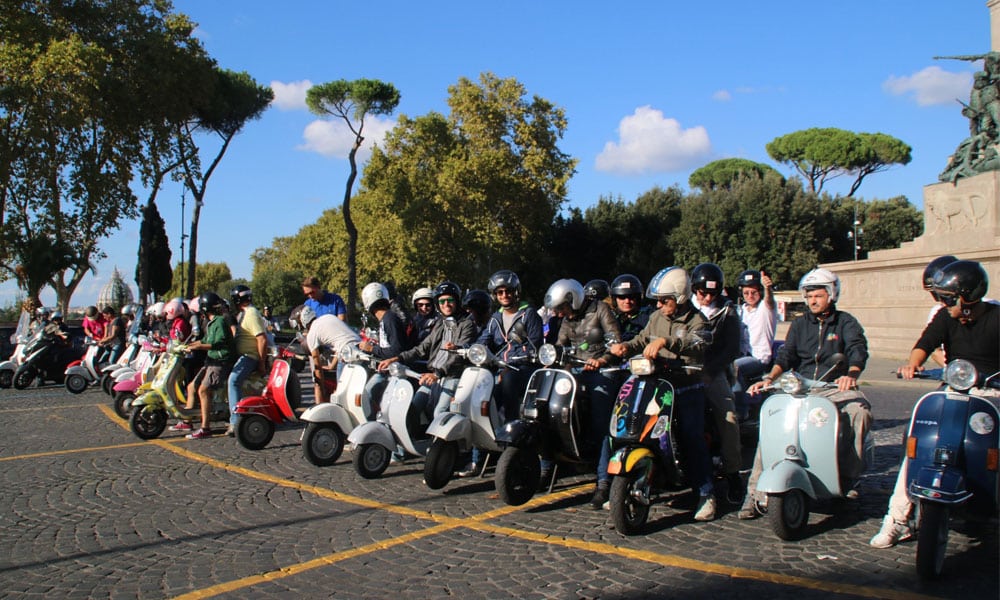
(46, 357)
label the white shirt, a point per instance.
(329, 333)
(761, 323)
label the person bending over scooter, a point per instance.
(810, 346)
(218, 341)
(968, 328)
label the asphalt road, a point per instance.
(87, 510)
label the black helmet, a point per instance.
(626, 285)
(707, 276)
(504, 278)
(596, 289)
(750, 278)
(240, 294)
(963, 278)
(477, 300)
(448, 288)
(934, 266)
(209, 302)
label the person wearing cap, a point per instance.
(321, 301)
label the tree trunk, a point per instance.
(352, 235)
(193, 248)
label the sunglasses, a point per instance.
(665, 299)
(629, 298)
(503, 292)
(703, 292)
(947, 299)
(443, 301)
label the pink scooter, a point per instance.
(257, 416)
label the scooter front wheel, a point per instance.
(147, 424)
(440, 463)
(107, 384)
(6, 378)
(322, 444)
(932, 539)
(254, 432)
(371, 460)
(23, 378)
(627, 512)
(788, 513)
(123, 404)
(517, 476)
(76, 384)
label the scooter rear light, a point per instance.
(484, 408)
(992, 459)
(911, 447)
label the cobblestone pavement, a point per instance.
(88, 510)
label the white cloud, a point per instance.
(333, 138)
(722, 96)
(290, 96)
(650, 143)
(931, 86)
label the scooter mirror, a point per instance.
(595, 336)
(838, 361)
(518, 333)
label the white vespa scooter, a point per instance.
(374, 442)
(81, 373)
(328, 424)
(21, 336)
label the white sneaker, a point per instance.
(706, 508)
(891, 534)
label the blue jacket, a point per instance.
(498, 341)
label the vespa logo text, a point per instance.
(925, 422)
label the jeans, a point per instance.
(599, 390)
(245, 365)
(372, 397)
(689, 408)
(443, 390)
(116, 352)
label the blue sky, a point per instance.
(651, 90)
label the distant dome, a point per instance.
(116, 293)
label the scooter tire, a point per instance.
(6, 378)
(517, 476)
(371, 460)
(24, 378)
(107, 384)
(788, 513)
(123, 404)
(254, 432)
(322, 443)
(440, 463)
(76, 384)
(628, 514)
(147, 424)
(932, 539)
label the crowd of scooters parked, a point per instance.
(655, 402)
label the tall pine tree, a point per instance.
(153, 274)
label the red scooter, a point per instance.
(257, 416)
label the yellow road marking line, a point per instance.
(73, 451)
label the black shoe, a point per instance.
(545, 480)
(600, 495)
(734, 493)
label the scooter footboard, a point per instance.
(783, 476)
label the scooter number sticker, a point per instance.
(982, 423)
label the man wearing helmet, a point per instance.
(251, 348)
(582, 318)
(321, 301)
(444, 368)
(626, 293)
(221, 349)
(759, 316)
(424, 313)
(325, 336)
(391, 340)
(968, 327)
(477, 303)
(927, 279)
(673, 333)
(810, 346)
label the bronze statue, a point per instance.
(978, 153)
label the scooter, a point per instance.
(952, 457)
(134, 344)
(46, 356)
(398, 425)
(328, 423)
(470, 422)
(85, 371)
(256, 416)
(799, 444)
(128, 384)
(21, 336)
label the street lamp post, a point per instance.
(856, 233)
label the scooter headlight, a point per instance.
(960, 375)
(791, 383)
(547, 355)
(478, 354)
(397, 369)
(640, 366)
(346, 353)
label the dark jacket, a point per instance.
(675, 330)
(575, 329)
(457, 330)
(726, 328)
(391, 336)
(811, 343)
(632, 324)
(977, 342)
(497, 340)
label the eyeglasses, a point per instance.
(629, 298)
(503, 292)
(704, 292)
(423, 305)
(443, 301)
(665, 299)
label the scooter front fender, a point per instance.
(519, 433)
(624, 460)
(129, 385)
(328, 412)
(259, 405)
(784, 476)
(373, 432)
(450, 427)
(78, 369)
(152, 398)
(938, 483)
(8, 365)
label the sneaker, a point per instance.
(199, 435)
(734, 488)
(748, 510)
(182, 426)
(469, 470)
(891, 534)
(231, 431)
(600, 496)
(706, 508)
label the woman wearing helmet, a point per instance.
(424, 313)
(672, 333)
(811, 345)
(626, 293)
(583, 319)
(220, 352)
(175, 315)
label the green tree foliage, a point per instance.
(722, 173)
(153, 274)
(83, 86)
(351, 102)
(882, 224)
(211, 277)
(819, 154)
(281, 290)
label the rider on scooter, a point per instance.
(391, 340)
(218, 341)
(810, 346)
(969, 328)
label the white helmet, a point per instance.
(424, 293)
(562, 291)
(306, 316)
(156, 310)
(821, 278)
(372, 293)
(671, 281)
(173, 309)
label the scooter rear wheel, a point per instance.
(440, 463)
(371, 460)
(76, 384)
(932, 539)
(788, 513)
(322, 444)
(517, 476)
(148, 424)
(628, 514)
(6, 378)
(123, 404)
(254, 432)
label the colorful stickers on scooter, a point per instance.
(818, 416)
(982, 423)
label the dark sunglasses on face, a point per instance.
(504, 292)
(665, 299)
(629, 298)
(423, 304)
(443, 301)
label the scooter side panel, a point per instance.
(372, 432)
(276, 385)
(450, 427)
(328, 412)
(983, 435)
(350, 388)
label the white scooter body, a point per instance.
(21, 336)
(345, 407)
(389, 428)
(87, 368)
(465, 422)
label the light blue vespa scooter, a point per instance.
(799, 443)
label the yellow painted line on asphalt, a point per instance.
(74, 451)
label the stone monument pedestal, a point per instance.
(885, 291)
